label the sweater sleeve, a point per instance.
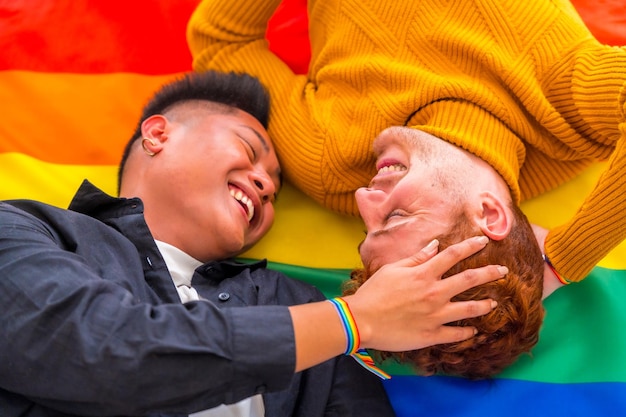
(230, 36)
(599, 225)
(598, 91)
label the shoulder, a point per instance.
(35, 220)
(28, 213)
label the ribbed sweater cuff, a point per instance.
(597, 79)
(561, 247)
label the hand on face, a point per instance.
(406, 304)
(408, 202)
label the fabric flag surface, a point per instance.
(74, 75)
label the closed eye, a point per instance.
(396, 213)
(249, 149)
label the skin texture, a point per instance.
(202, 173)
(198, 186)
(187, 160)
(427, 188)
(404, 305)
(423, 184)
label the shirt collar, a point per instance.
(180, 264)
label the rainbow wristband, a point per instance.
(349, 325)
(354, 340)
(553, 269)
(364, 359)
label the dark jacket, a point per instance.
(91, 324)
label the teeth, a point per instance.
(241, 197)
(392, 168)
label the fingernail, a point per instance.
(494, 304)
(482, 239)
(432, 245)
(503, 270)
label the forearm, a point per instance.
(592, 100)
(230, 36)
(82, 332)
(219, 30)
(125, 360)
(318, 333)
(599, 226)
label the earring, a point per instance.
(146, 150)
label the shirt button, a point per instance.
(223, 296)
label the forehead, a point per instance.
(196, 112)
(407, 137)
(192, 109)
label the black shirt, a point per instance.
(92, 325)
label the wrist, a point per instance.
(350, 328)
(353, 340)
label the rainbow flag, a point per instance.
(74, 75)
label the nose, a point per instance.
(265, 186)
(371, 206)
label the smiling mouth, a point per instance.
(244, 201)
(391, 168)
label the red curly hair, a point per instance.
(510, 330)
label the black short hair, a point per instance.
(235, 90)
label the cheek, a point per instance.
(375, 255)
(372, 256)
(268, 220)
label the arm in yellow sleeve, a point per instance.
(600, 223)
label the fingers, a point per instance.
(459, 310)
(540, 234)
(425, 254)
(470, 278)
(406, 305)
(451, 334)
(457, 252)
(448, 257)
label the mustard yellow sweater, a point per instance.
(521, 84)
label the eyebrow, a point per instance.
(258, 135)
(266, 147)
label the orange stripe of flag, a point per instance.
(72, 118)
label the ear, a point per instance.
(154, 128)
(494, 216)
